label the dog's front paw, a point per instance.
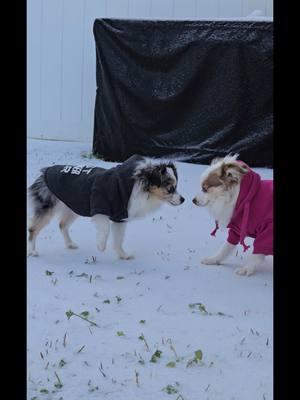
(72, 245)
(125, 256)
(248, 271)
(32, 253)
(210, 261)
(101, 246)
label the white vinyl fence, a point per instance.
(61, 59)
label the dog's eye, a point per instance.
(171, 189)
(204, 189)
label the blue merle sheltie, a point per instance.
(111, 197)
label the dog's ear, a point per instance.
(148, 176)
(215, 160)
(172, 165)
(233, 171)
(154, 177)
(162, 169)
(151, 176)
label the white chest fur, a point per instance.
(141, 204)
(221, 209)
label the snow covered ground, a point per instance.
(143, 306)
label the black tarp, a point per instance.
(190, 90)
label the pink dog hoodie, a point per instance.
(253, 214)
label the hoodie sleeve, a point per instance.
(263, 243)
(233, 237)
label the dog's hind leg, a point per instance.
(67, 218)
(252, 262)
(103, 226)
(118, 230)
(38, 222)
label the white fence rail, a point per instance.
(61, 54)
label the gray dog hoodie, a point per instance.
(92, 190)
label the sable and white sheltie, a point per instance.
(237, 198)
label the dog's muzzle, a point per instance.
(200, 203)
(177, 202)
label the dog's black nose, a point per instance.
(182, 199)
